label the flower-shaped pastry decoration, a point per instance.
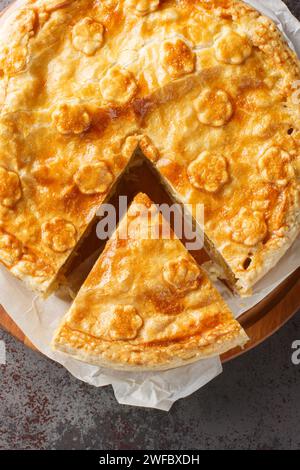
(275, 166)
(71, 118)
(248, 227)
(52, 5)
(213, 107)
(232, 48)
(177, 58)
(209, 172)
(142, 7)
(93, 178)
(10, 188)
(59, 234)
(10, 249)
(87, 36)
(118, 86)
(181, 275)
(145, 143)
(125, 323)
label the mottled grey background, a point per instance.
(254, 404)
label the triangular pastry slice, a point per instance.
(147, 305)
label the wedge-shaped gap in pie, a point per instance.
(147, 305)
(163, 193)
(139, 175)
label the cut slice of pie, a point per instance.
(147, 305)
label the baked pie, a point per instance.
(146, 304)
(206, 87)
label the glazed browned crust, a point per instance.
(205, 86)
(146, 305)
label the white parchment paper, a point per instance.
(38, 319)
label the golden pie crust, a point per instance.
(206, 86)
(146, 304)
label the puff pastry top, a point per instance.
(164, 314)
(206, 86)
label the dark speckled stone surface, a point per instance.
(254, 404)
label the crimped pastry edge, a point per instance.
(220, 345)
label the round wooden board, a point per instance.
(260, 322)
(269, 315)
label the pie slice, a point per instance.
(147, 305)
